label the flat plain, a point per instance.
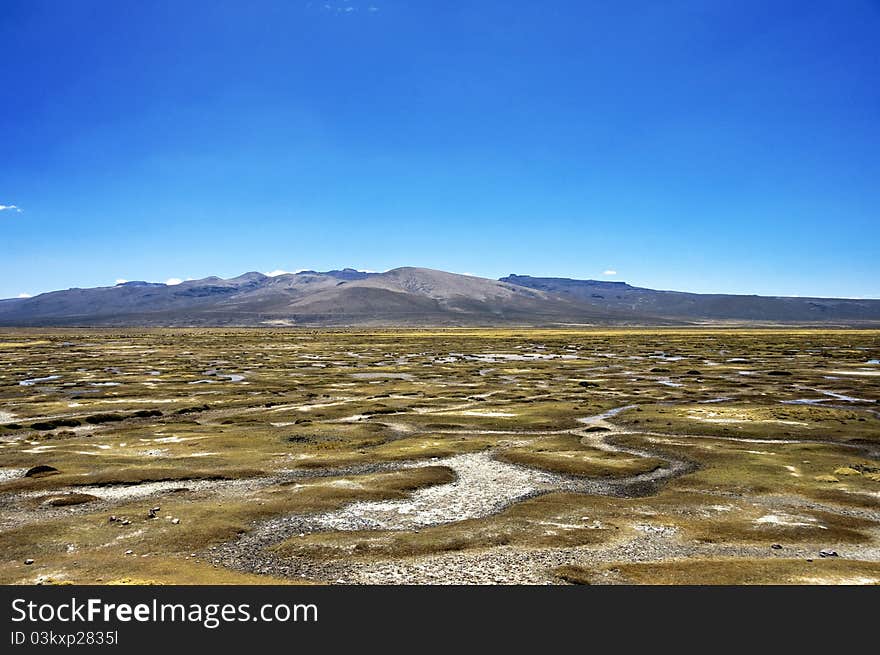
(634, 456)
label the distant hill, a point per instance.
(409, 296)
(699, 307)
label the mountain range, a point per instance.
(413, 296)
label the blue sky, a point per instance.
(701, 146)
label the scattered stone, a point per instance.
(129, 552)
(776, 546)
(175, 521)
(827, 552)
(28, 561)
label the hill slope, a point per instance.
(403, 296)
(695, 307)
(408, 296)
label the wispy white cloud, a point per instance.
(344, 7)
(121, 281)
(24, 295)
(12, 208)
(172, 281)
(277, 272)
(609, 272)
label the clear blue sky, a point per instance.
(704, 146)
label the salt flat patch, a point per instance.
(32, 381)
(858, 372)
(154, 452)
(789, 520)
(308, 408)
(495, 358)
(712, 417)
(598, 418)
(145, 401)
(6, 417)
(483, 487)
(174, 439)
(126, 492)
(486, 413)
(345, 483)
(11, 474)
(845, 398)
(351, 419)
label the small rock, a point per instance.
(129, 552)
(776, 546)
(175, 521)
(29, 561)
(125, 522)
(112, 519)
(828, 553)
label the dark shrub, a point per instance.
(40, 471)
(97, 419)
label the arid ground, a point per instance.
(727, 456)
